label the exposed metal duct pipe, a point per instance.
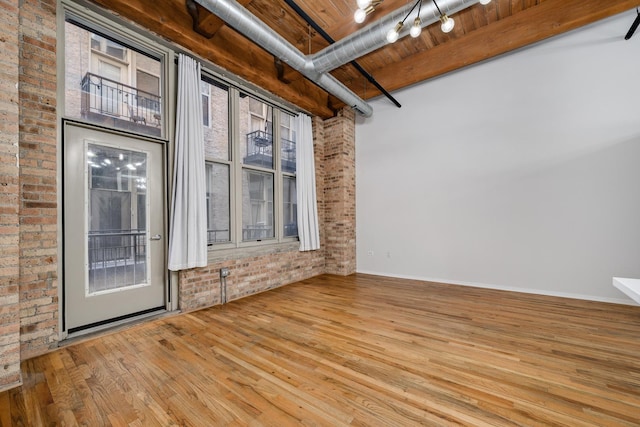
(374, 35)
(316, 67)
(329, 39)
(243, 21)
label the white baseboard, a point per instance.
(505, 288)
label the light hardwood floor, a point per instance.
(358, 350)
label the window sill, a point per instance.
(220, 255)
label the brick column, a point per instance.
(340, 193)
(38, 178)
(318, 157)
(9, 188)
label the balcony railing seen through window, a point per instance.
(117, 258)
(260, 151)
(112, 103)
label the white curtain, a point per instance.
(308, 231)
(188, 226)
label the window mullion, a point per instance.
(236, 166)
(278, 201)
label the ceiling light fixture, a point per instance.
(394, 33)
(365, 7)
(416, 28)
(447, 23)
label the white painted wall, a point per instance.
(518, 173)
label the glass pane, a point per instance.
(257, 205)
(218, 216)
(290, 207)
(287, 143)
(108, 47)
(117, 237)
(110, 84)
(256, 127)
(148, 83)
(206, 119)
(215, 120)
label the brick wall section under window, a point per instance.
(256, 270)
(200, 287)
(38, 183)
(9, 189)
(340, 193)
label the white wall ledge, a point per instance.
(631, 287)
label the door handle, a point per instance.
(156, 237)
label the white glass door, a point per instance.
(113, 227)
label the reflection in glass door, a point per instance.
(116, 237)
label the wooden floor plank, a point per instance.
(359, 350)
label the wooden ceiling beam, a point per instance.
(227, 48)
(547, 19)
(206, 23)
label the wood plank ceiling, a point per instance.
(481, 32)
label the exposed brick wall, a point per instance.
(318, 155)
(29, 306)
(340, 193)
(9, 190)
(38, 182)
(249, 274)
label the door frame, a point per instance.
(169, 292)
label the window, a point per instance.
(257, 205)
(288, 162)
(215, 122)
(257, 171)
(148, 93)
(258, 148)
(218, 214)
(147, 82)
(108, 47)
(250, 167)
(205, 89)
(289, 206)
(110, 83)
